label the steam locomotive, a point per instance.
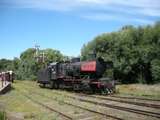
(77, 75)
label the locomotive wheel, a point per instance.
(52, 85)
(61, 85)
(104, 91)
(56, 85)
(114, 90)
(75, 87)
(43, 85)
(110, 91)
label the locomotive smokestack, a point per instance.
(73, 60)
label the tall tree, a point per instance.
(135, 52)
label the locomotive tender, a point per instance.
(77, 75)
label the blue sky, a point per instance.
(66, 25)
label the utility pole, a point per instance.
(43, 57)
(37, 52)
(37, 49)
(39, 55)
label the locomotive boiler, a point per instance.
(77, 75)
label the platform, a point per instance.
(6, 87)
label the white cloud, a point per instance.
(150, 12)
(100, 8)
(111, 17)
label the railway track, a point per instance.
(150, 105)
(143, 104)
(128, 102)
(138, 98)
(121, 99)
(47, 107)
(137, 111)
(67, 103)
(142, 112)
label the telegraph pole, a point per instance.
(37, 52)
(37, 49)
(40, 56)
(43, 57)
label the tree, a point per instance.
(135, 52)
(4, 64)
(28, 66)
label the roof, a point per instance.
(54, 63)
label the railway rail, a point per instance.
(143, 104)
(47, 107)
(138, 98)
(128, 102)
(67, 103)
(137, 111)
(142, 112)
(150, 105)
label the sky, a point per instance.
(66, 25)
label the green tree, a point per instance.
(132, 50)
(5, 64)
(28, 66)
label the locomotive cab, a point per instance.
(53, 71)
(47, 74)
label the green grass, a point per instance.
(140, 90)
(16, 103)
(3, 115)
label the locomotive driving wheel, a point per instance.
(56, 85)
(52, 85)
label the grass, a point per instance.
(3, 115)
(2, 112)
(140, 90)
(17, 104)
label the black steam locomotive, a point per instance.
(77, 75)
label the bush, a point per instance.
(155, 69)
